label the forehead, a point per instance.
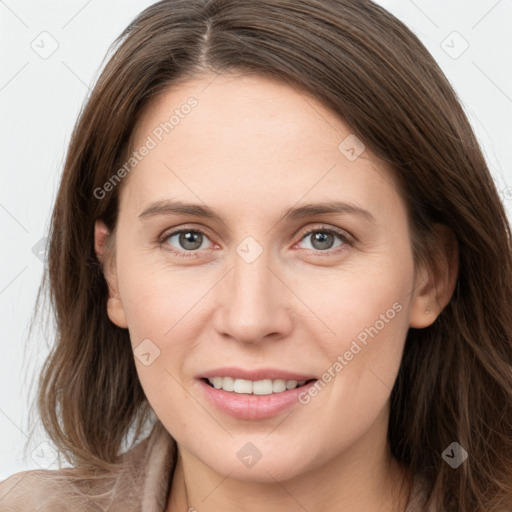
(249, 137)
(232, 108)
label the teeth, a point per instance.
(259, 387)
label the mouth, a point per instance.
(261, 387)
(253, 400)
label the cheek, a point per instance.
(159, 305)
(363, 316)
(156, 296)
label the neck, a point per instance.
(363, 477)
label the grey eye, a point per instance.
(189, 239)
(322, 240)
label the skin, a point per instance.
(252, 148)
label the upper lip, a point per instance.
(256, 374)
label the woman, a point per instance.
(277, 241)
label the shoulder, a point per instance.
(67, 490)
(36, 490)
(62, 490)
(140, 481)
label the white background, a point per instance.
(40, 99)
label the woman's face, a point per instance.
(251, 288)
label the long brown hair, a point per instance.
(455, 379)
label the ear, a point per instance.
(434, 287)
(115, 309)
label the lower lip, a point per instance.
(253, 407)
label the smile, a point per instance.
(258, 387)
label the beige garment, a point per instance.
(142, 485)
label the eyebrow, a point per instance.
(170, 207)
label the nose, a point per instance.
(254, 302)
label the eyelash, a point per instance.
(346, 239)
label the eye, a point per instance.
(322, 239)
(184, 241)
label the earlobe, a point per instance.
(434, 287)
(115, 308)
(116, 313)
